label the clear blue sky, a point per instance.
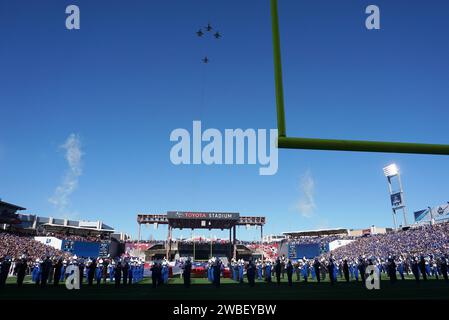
(133, 73)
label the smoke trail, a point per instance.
(73, 155)
(306, 204)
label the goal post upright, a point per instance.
(278, 69)
(331, 144)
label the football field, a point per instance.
(201, 289)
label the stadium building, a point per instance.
(199, 248)
(310, 243)
(78, 237)
(8, 214)
(437, 214)
(313, 243)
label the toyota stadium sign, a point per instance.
(203, 215)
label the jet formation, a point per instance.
(208, 29)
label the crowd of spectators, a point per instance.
(427, 240)
(15, 246)
(269, 251)
(72, 237)
(323, 240)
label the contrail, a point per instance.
(73, 155)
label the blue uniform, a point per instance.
(335, 272)
(36, 273)
(165, 273)
(111, 273)
(428, 269)
(210, 273)
(379, 270)
(259, 271)
(304, 272)
(241, 272)
(135, 275)
(401, 270)
(268, 272)
(98, 273)
(140, 273)
(132, 273)
(61, 278)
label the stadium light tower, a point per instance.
(396, 195)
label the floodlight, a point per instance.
(391, 170)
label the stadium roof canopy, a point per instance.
(8, 213)
(50, 223)
(200, 220)
(316, 233)
(10, 206)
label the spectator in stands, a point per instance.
(425, 240)
(82, 238)
(17, 245)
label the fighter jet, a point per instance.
(209, 27)
(205, 60)
(217, 35)
(199, 33)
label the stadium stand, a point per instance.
(15, 245)
(423, 240)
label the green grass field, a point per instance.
(201, 289)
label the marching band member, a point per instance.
(268, 271)
(111, 271)
(90, 269)
(63, 268)
(20, 269)
(82, 269)
(289, 270)
(5, 266)
(57, 272)
(165, 271)
(104, 270)
(312, 271)
(36, 273)
(125, 270)
(99, 271)
(118, 273)
(443, 267)
(356, 270)
(241, 268)
(346, 269)
(297, 268)
(316, 268)
(234, 269)
(259, 269)
(401, 268)
(305, 269)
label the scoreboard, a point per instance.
(86, 249)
